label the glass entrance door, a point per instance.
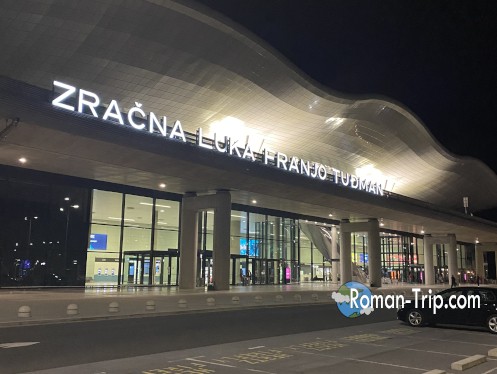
(150, 268)
(239, 271)
(166, 269)
(136, 268)
(273, 272)
(265, 271)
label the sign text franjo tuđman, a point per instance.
(88, 102)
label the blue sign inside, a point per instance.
(253, 247)
(98, 242)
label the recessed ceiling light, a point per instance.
(330, 215)
(162, 185)
(23, 160)
(66, 198)
(422, 231)
(254, 201)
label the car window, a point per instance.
(447, 294)
(487, 295)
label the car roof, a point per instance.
(470, 288)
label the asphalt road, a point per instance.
(66, 344)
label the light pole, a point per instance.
(67, 210)
(29, 220)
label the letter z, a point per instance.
(58, 100)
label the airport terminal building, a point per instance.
(157, 143)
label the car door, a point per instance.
(448, 315)
(488, 306)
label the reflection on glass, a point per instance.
(104, 243)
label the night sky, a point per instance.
(437, 58)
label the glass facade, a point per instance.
(138, 232)
(69, 234)
(402, 257)
(263, 249)
(44, 229)
(466, 263)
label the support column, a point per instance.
(221, 241)
(334, 255)
(452, 257)
(374, 253)
(428, 254)
(188, 244)
(345, 257)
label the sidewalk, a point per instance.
(18, 307)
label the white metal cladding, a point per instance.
(184, 62)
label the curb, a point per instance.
(144, 314)
(468, 362)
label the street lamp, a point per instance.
(29, 219)
(68, 211)
(30, 223)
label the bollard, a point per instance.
(114, 307)
(278, 298)
(24, 312)
(150, 305)
(182, 303)
(297, 298)
(314, 297)
(235, 300)
(72, 309)
(211, 301)
(258, 299)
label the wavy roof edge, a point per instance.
(203, 13)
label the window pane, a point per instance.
(106, 207)
(166, 225)
(239, 243)
(105, 236)
(137, 223)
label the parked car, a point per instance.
(485, 315)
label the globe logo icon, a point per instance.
(353, 299)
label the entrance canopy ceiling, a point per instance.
(179, 60)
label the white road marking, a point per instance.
(490, 371)
(459, 341)
(385, 364)
(366, 361)
(259, 346)
(210, 363)
(229, 366)
(411, 349)
(17, 345)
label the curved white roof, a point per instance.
(192, 65)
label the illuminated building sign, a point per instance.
(86, 102)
